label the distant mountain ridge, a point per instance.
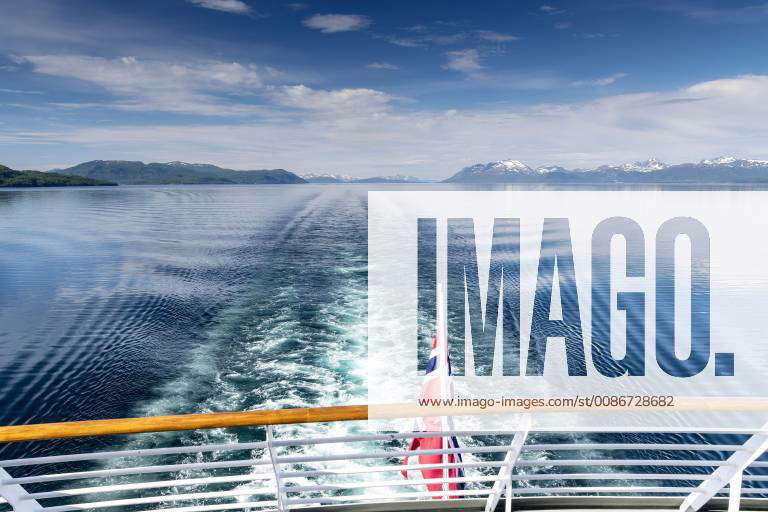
(724, 170)
(650, 165)
(313, 177)
(341, 178)
(397, 178)
(720, 170)
(127, 172)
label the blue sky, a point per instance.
(370, 87)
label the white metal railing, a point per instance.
(284, 473)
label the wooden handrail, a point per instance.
(340, 413)
(181, 422)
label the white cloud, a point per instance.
(550, 10)
(464, 61)
(405, 42)
(724, 116)
(427, 39)
(417, 28)
(19, 91)
(332, 23)
(201, 87)
(563, 25)
(443, 39)
(421, 36)
(349, 100)
(748, 14)
(496, 37)
(233, 6)
(596, 35)
(194, 87)
(745, 88)
(382, 65)
(600, 82)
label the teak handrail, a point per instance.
(181, 422)
(342, 413)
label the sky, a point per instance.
(366, 88)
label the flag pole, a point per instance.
(442, 342)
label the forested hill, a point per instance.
(127, 172)
(11, 178)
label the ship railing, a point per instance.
(288, 472)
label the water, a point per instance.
(133, 301)
(160, 300)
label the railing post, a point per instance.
(734, 492)
(16, 495)
(753, 448)
(505, 472)
(281, 495)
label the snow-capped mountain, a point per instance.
(343, 178)
(650, 165)
(499, 170)
(176, 163)
(327, 178)
(397, 178)
(729, 161)
(715, 170)
(546, 169)
(509, 166)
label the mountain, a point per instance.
(11, 178)
(649, 165)
(340, 178)
(717, 170)
(139, 173)
(501, 171)
(398, 178)
(721, 170)
(546, 169)
(327, 178)
(509, 171)
(733, 163)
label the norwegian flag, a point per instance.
(437, 385)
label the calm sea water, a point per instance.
(128, 301)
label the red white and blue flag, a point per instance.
(437, 385)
